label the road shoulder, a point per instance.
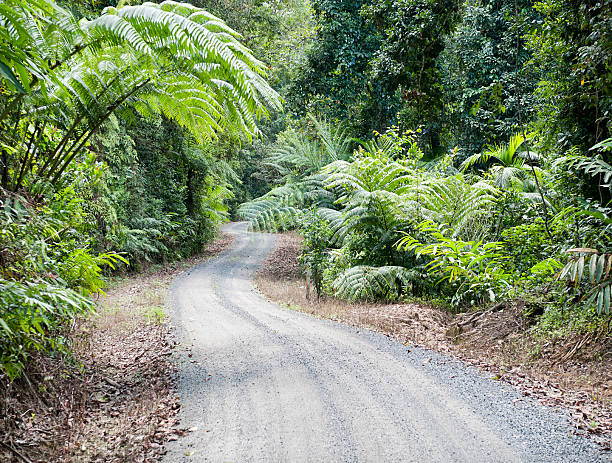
(496, 343)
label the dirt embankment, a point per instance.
(114, 400)
(574, 372)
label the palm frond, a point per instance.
(504, 155)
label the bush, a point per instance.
(47, 274)
(33, 317)
(317, 233)
(475, 271)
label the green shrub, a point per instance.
(317, 233)
(32, 318)
(476, 271)
(46, 276)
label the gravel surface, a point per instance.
(259, 383)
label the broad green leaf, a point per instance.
(7, 73)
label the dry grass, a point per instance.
(419, 325)
(422, 325)
(497, 341)
(119, 405)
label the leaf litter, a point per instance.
(114, 400)
(572, 373)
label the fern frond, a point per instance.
(299, 155)
(368, 174)
(268, 215)
(366, 282)
(336, 223)
(336, 140)
(452, 202)
(281, 207)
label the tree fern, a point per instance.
(337, 225)
(171, 58)
(268, 215)
(298, 156)
(335, 140)
(299, 161)
(301, 155)
(280, 208)
(366, 282)
(368, 174)
(453, 202)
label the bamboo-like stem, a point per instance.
(522, 125)
(55, 157)
(60, 147)
(58, 159)
(26, 156)
(5, 162)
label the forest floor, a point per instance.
(574, 372)
(115, 399)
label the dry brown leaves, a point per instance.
(573, 373)
(283, 263)
(556, 374)
(131, 407)
(115, 400)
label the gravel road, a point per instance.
(268, 384)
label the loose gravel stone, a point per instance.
(259, 383)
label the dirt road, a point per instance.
(268, 384)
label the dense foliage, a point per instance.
(110, 129)
(396, 225)
(488, 178)
(456, 150)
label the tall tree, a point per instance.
(572, 48)
(334, 80)
(413, 37)
(170, 58)
(485, 76)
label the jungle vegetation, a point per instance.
(439, 149)
(452, 150)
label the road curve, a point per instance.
(267, 384)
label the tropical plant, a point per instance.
(507, 163)
(46, 275)
(453, 202)
(32, 315)
(298, 163)
(316, 233)
(367, 282)
(594, 269)
(477, 268)
(412, 37)
(333, 79)
(170, 58)
(595, 166)
(572, 53)
(73, 168)
(478, 66)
